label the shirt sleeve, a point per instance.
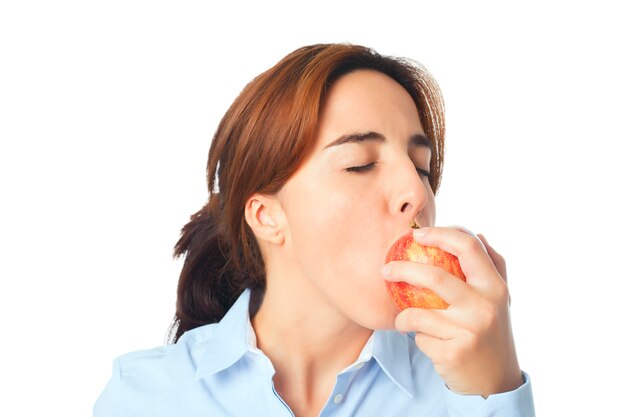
(516, 403)
(109, 403)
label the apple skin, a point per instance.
(407, 295)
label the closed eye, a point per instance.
(362, 168)
(370, 166)
(423, 172)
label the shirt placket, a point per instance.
(335, 405)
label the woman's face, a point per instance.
(357, 193)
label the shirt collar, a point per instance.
(391, 351)
(233, 336)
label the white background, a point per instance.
(106, 114)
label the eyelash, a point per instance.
(370, 166)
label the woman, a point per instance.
(318, 166)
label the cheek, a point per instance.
(339, 245)
(336, 228)
(342, 224)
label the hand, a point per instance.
(471, 342)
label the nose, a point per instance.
(409, 193)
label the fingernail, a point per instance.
(386, 270)
(419, 233)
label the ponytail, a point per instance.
(209, 282)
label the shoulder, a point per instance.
(164, 361)
(155, 382)
(147, 364)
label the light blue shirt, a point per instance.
(217, 370)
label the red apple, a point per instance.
(407, 295)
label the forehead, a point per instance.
(367, 100)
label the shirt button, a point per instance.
(359, 365)
(338, 398)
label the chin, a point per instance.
(383, 318)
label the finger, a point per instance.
(496, 258)
(434, 323)
(445, 285)
(498, 261)
(468, 232)
(475, 261)
(432, 347)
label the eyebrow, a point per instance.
(416, 140)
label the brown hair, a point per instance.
(260, 142)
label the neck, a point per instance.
(308, 340)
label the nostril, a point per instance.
(405, 207)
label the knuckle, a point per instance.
(501, 293)
(472, 341)
(487, 316)
(473, 245)
(436, 277)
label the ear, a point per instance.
(264, 214)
